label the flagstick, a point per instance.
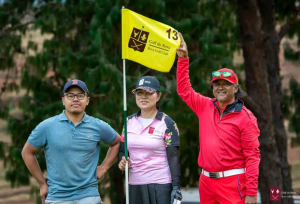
(125, 126)
(125, 132)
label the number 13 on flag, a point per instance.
(148, 42)
(175, 37)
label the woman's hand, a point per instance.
(123, 163)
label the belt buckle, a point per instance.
(214, 175)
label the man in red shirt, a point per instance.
(228, 136)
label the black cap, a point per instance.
(76, 82)
(148, 83)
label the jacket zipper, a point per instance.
(221, 117)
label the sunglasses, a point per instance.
(224, 74)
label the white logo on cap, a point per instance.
(141, 82)
(147, 82)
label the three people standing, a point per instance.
(228, 137)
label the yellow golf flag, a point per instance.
(148, 42)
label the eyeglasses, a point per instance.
(141, 93)
(71, 96)
(224, 74)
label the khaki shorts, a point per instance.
(87, 200)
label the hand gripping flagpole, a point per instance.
(125, 130)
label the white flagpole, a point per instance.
(125, 126)
(125, 132)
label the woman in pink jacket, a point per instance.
(153, 146)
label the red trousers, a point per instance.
(227, 190)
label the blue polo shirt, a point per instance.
(72, 154)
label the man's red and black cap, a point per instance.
(223, 74)
(78, 83)
(147, 83)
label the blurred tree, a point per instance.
(11, 29)
(260, 41)
(294, 99)
(85, 43)
(74, 51)
(292, 111)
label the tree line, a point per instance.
(86, 44)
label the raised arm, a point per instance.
(28, 154)
(184, 88)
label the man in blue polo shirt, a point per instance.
(71, 142)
